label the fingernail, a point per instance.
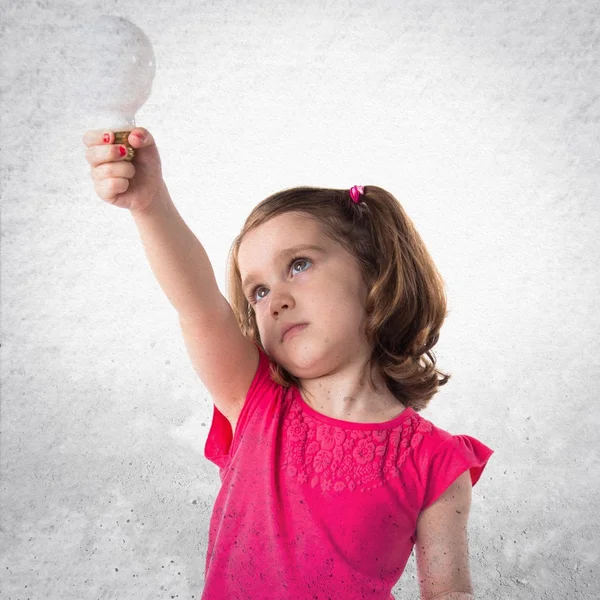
(106, 138)
(122, 150)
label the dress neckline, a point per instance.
(309, 410)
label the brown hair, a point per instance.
(406, 303)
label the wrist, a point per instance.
(160, 201)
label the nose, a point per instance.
(280, 299)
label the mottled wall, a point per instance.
(481, 117)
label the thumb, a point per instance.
(140, 138)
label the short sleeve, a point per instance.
(220, 435)
(451, 459)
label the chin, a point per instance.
(303, 363)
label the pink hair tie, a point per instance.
(356, 192)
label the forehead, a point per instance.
(262, 246)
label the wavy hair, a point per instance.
(406, 302)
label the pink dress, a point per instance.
(318, 508)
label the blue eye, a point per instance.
(252, 294)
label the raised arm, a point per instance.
(225, 360)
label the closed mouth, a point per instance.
(294, 329)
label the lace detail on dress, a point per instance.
(337, 458)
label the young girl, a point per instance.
(318, 367)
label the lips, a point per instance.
(287, 328)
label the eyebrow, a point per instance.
(287, 252)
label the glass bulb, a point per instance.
(118, 70)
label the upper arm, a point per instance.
(442, 550)
(225, 360)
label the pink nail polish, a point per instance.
(122, 150)
(106, 138)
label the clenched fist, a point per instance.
(135, 184)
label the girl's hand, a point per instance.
(135, 185)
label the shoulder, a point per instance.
(442, 456)
(427, 434)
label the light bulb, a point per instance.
(118, 69)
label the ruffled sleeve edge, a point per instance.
(451, 459)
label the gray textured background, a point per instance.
(482, 118)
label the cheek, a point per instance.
(348, 290)
(259, 326)
(342, 304)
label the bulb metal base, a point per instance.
(121, 138)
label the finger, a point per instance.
(96, 155)
(110, 188)
(113, 169)
(95, 137)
